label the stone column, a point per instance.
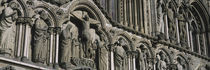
(130, 14)
(136, 24)
(188, 35)
(198, 43)
(166, 27)
(26, 21)
(191, 41)
(111, 49)
(57, 32)
(177, 28)
(19, 20)
(50, 30)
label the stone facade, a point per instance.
(104, 35)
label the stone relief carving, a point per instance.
(182, 27)
(181, 64)
(161, 13)
(162, 61)
(7, 27)
(68, 41)
(119, 55)
(171, 23)
(40, 36)
(143, 60)
(79, 41)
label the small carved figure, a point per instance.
(182, 27)
(87, 34)
(140, 61)
(119, 56)
(161, 64)
(7, 28)
(40, 37)
(68, 35)
(161, 13)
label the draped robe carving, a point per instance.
(8, 28)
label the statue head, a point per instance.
(162, 55)
(43, 15)
(13, 5)
(85, 16)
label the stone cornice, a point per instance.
(115, 24)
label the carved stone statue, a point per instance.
(171, 22)
(140, 61)
(40, 37)
(161, 13)
(8, 28)
(161, 63)
(182, 27)
(180, 64)
(68, 37)
(119, 56)
(87, 33)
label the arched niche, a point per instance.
(198, 27)
(145, 56)
(90, 7)
(122, 48)
(41, 34)
(163, 59)
(181, 62)
(11, 28)
(86, 29)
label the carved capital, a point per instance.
(24, 20)
(57, 30)
(111, 47)
(50, 30)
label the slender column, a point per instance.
(111, 48)
(57, 30)
(198, 43)
(134, 63)
(125, 13)
(188, 34)
(166, 26)
(141, 16)
(191, 41)
(19, 20)
(145, 16)
(136, 24)
(51, 43)
(26, 21)
(129, 62)
(25, 54)
(130, 14)
(26, 43)
(177, 28)
(204, 44)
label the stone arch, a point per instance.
(164, 50)
(145, 55)
(148, 46)
(51, 14)
(89, 7)
(183, 57)
(24, 7)
(126, 37)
